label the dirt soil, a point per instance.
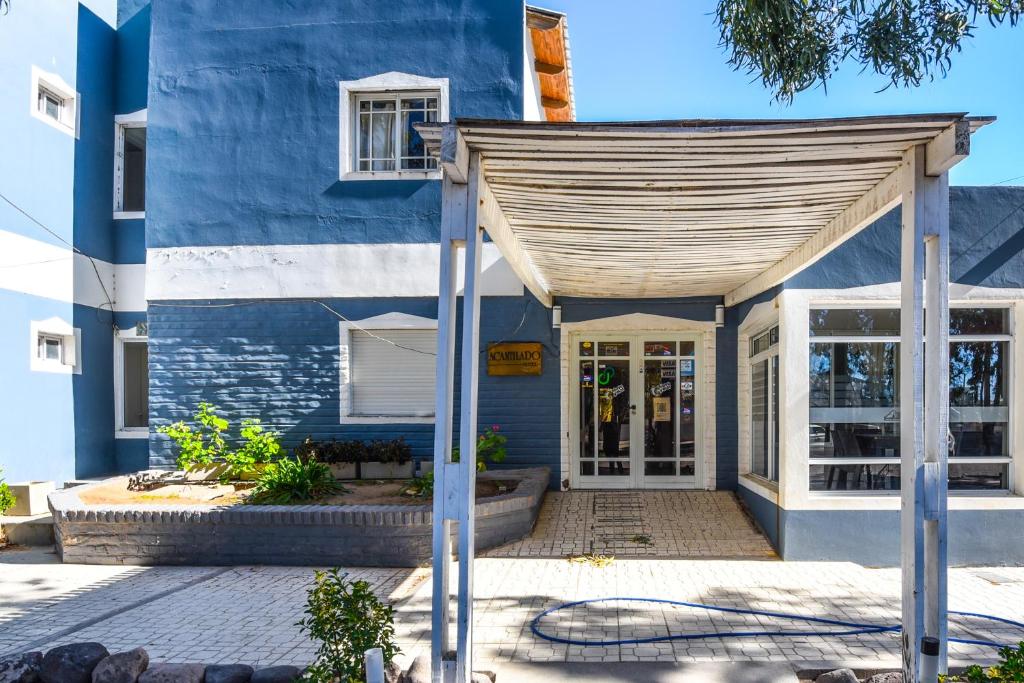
(358, 493)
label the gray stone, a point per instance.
(72, 663)
(173, 673)
(887, 677)
(21, 668)
(122, 667)
(838, 676)
(228, 673)
(276, 674)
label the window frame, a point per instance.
(122, 122)
(391, 83)
(121, 338)
(383, 323)
(1011, 425)
(45, 82)
(770, 355)
(71, 347)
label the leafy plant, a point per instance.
(7, 499)
(1009, 668)
(333, 452)
(288, 481)
(490, 447)
(348, 619)
(200, 445)
(395, 450)
(259, 446)
(421, 487)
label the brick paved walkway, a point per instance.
(248, 614)
(667, 524)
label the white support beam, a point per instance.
(948, 148)
(453, 210)
(924, 351)
(468, 428)
(871, 206)
(498, 229)
(454, 154)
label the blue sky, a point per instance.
(660, 59)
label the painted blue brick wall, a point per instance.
(244, 95)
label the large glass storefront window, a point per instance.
(854, 399)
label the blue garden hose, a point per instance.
(851, 628)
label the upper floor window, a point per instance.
(130, 166)
(55, 346)
(378, 138)
(387, 139)
(53, 101)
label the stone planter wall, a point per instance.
(386, 470)
(311, 535)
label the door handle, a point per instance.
(632, 408)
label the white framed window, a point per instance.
(130, 165)
(131, 384)
(387, 369)
(764, 404)
(54, 346)
(377, 116)
(854, 399)
(53, 101)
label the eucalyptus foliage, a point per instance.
(793, 45)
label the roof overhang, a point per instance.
(685, 208)
(549, 37)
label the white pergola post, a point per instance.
(924, 417)
(455, 483)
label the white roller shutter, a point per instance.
(390, 380)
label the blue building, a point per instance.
(207, 202)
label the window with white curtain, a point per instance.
(392, 372)
(854, 399)
(764, 404)
(385, 137)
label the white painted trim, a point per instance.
(311, 270)
(533, 109)
(53, 82)
(634, 324)
(120, 339)
(71, 342)
(761, 486)
(386, 321)
(392, 81)
(136, 119)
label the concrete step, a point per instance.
(652, 672)
(36, 530)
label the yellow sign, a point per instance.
(515, 359)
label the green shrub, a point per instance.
(333, 452)
(490, 447)
(7, 499)
(287, 481)
(395, 451)
(421, 487)
(348, 619)
(203, 443)
(1009, 668)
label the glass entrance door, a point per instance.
(635, 411)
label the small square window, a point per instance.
(50, 104)
(386, 139)
(50, 348)
(53, 101)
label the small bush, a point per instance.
(258, 446)
(394, 451)
(421, 487)
(348, 619)
(7, 499)
(1009, 668)
(287, 481)
(203, 443)
(336, 452)
(490, 447)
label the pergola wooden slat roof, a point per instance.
(685, 208)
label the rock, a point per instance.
(228, 673)
(72, 663)
(838, 676)
(887, 677)
(123, 667)
(392, 672)
(173, 673)
(276, 674)
(21, 668)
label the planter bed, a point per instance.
(302, 535)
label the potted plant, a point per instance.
(387, 460)
(342, 457)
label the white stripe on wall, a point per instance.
(310, 270)
(50, 271)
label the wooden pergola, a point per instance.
(691, 208)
